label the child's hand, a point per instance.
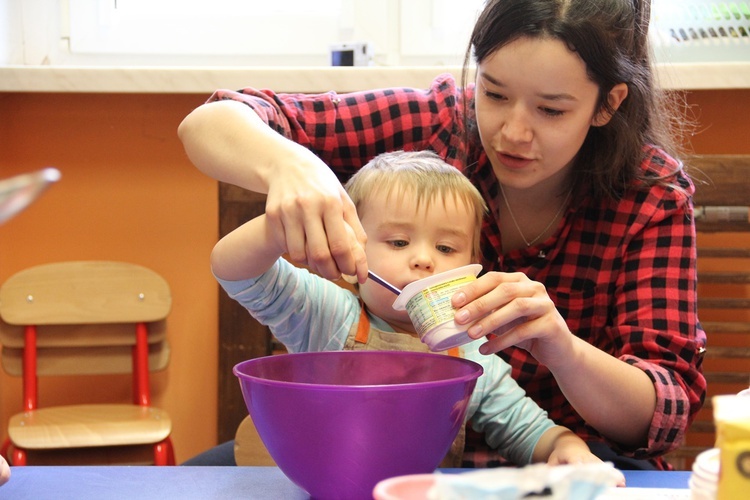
(571, 454)
(571, 450)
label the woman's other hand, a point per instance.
(516, 311)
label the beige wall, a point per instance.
(128, 192)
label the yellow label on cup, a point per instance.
(432, 306)
(732, 418)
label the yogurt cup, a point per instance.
(428, 303)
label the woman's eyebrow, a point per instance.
(558, 97)
(491, 79)
(562, 96)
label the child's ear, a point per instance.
(618, 94)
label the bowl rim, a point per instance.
(476, 371)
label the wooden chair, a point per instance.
(722, 214)
(248, 447)
(86, 318)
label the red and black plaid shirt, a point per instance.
(621, 272)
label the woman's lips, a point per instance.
(513, 162)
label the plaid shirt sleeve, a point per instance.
(657, 328)
(347, 130)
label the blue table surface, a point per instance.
(183, 483)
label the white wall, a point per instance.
(232, 32)
(299, 32)
(8, 36)
(29, 31)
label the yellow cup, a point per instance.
(732, 419)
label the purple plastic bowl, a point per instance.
(338, 422)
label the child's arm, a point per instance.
(247, 252)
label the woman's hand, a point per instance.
(516, 311)
(317, 220)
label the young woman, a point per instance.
(589, 247)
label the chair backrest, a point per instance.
(81, 292)
(59, 312)
(722, 216)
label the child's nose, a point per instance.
(422, 260)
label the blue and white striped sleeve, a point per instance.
(304, 311)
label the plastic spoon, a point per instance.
(381, 281)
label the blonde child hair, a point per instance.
(422, 174)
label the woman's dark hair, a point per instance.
(611, 37)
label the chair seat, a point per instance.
(79, 426)
(248, 447)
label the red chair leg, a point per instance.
(164, 453)
(170, 459)
(18, 457)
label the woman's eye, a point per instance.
(552, 112)
(493, 95)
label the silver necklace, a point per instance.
(544, 231)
